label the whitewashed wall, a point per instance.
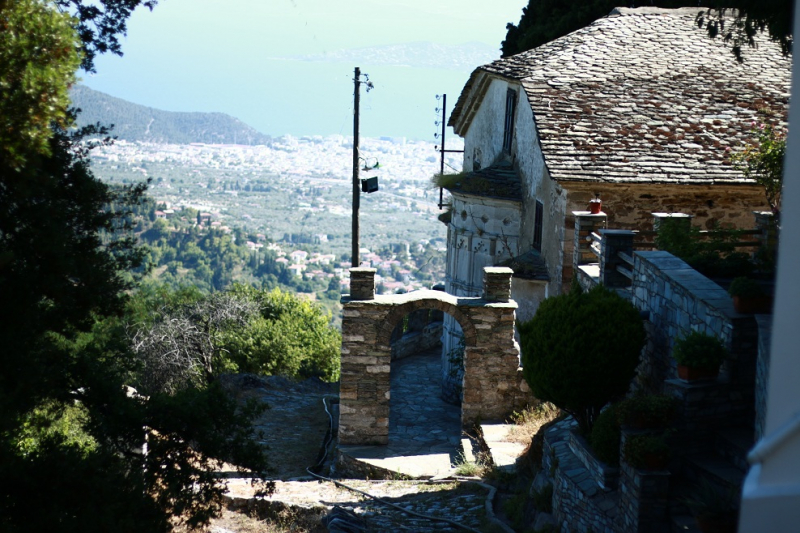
(482, 232)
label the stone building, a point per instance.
(640, 107)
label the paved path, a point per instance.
(424, 431)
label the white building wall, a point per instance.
(483, 142)
(771, 492)
(482, 232)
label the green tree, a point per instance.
(290, 336)
(545, 20)
(763, 162)
(70, 425)
(38, 59)
(580, 351)
(737, 21)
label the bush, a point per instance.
(605, 436)
(715, 256)
(580, 351)
(646, 451)
(746, 288)
(645, 411)
(290, 336)
(699, 350)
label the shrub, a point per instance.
(716, 256)
(646, 451)
(580, 351)
(290, 336)
(699, 350)
(647, 411)
(605, 436)
(745, 288)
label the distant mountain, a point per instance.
(133, 122)
(464, 57)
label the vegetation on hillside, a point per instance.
(134, 122)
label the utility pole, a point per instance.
(355, 260)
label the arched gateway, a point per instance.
(493, 383)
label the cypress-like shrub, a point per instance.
(580, 351)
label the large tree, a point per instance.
(71, 428)
(737, 21)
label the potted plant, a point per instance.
(646, 451)
(595, 204)
(714, 510)
(646, 411)
(699, 356)
(749, 296)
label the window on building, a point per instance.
(508, 129)
(537, 226)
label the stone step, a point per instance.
(715, 468)
(734, 443)
(681, 518)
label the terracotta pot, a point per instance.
(595, 206)
(655, 461)
(695, 373)
(753, 304)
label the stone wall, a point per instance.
(677, 299)
(579, 503)
(493, 382)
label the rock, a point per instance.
(341, 520)
(540, 482)
(543, 520)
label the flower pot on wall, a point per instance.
(696, 373)
(749, 305)
(595, 206)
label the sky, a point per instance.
(277, 64)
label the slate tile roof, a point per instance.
(642, 95)
(499, 180)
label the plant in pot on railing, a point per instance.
(647, 451)
(749, 296)
(647, 411)
(714, 510)
(699, 356)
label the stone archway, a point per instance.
(493, 384)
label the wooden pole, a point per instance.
(355, 259)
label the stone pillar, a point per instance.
(586, 224)
(497, 284)
(362, 283)
(765, 221)
(364, 383)
(615, 241)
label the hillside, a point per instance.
(133, 122)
